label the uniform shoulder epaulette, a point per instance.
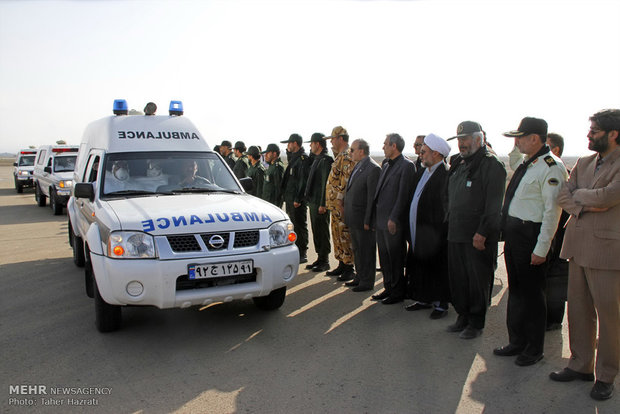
(549, 160)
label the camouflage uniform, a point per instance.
(334, 195)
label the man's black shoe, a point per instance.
(352, 283)
(418, 306)
(359, 288)
(470, 332)
(320, 267)
(568, 374)
(337, 271)
(524, 360)
(460, 324)
(508, 350)
(347, 275)
(602, 390)
(380, 296)
(390, 300)
(311, 265)
(438, 314)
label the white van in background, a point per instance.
(158, 219)
(53, 175)
(24, 166)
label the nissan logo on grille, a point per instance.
(216, 241)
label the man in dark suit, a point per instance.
(358, 202)
(427, 258)
(391, 205)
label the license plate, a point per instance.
(204, 271)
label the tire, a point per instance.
(55, 204)
(88, 279)
(272, 301)
(38, 196)
(108, 317)
(18, 186)
(78, 249)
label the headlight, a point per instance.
(65, 184)
(281, 234)
(22, 172)
(131, 245)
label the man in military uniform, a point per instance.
(315, 194)
(530, 218)
(294, 188)
(226, 153)
(272, 187)
(256, 171)
(242, 164)
(335, 190)
(476, 183)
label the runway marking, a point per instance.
(215, 399)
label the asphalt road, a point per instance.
(326, 350)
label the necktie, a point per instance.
(599, 162)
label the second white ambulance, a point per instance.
(158, 219)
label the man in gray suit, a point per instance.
(591, 244)
(358, 202)
(391, 206)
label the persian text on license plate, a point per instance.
(203, 271)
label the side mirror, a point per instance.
(48, 169)
(14, 164)
(84, 190)
(247, 184)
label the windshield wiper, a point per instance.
(203, 190)
(130, 192)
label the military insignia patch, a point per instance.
(549, 160)
(553, 181)
(459, 129)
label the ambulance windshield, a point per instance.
(143, 173)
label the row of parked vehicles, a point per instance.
(156, 218)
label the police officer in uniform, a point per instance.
(226, 153)
(294, 188)
(272, 186)
(315, 194)
(530, 217)
(256, 171)
(242, 164)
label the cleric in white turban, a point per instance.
(436, 143)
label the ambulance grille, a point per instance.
(207, 236)
(246, 238)
(184, 243)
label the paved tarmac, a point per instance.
(327, 350)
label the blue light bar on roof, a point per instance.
(120, 107)
(176, 108)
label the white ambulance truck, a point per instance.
(158, 219)
(23, 168)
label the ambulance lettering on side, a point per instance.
(157, 218)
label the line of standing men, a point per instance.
(395, 201)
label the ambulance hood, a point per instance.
(194, 213)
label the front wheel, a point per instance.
(272, 301)
(108, 317)
(77, 244)
(55, 203)
(18, 186)
(39, 197)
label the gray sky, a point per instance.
(258, 71)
